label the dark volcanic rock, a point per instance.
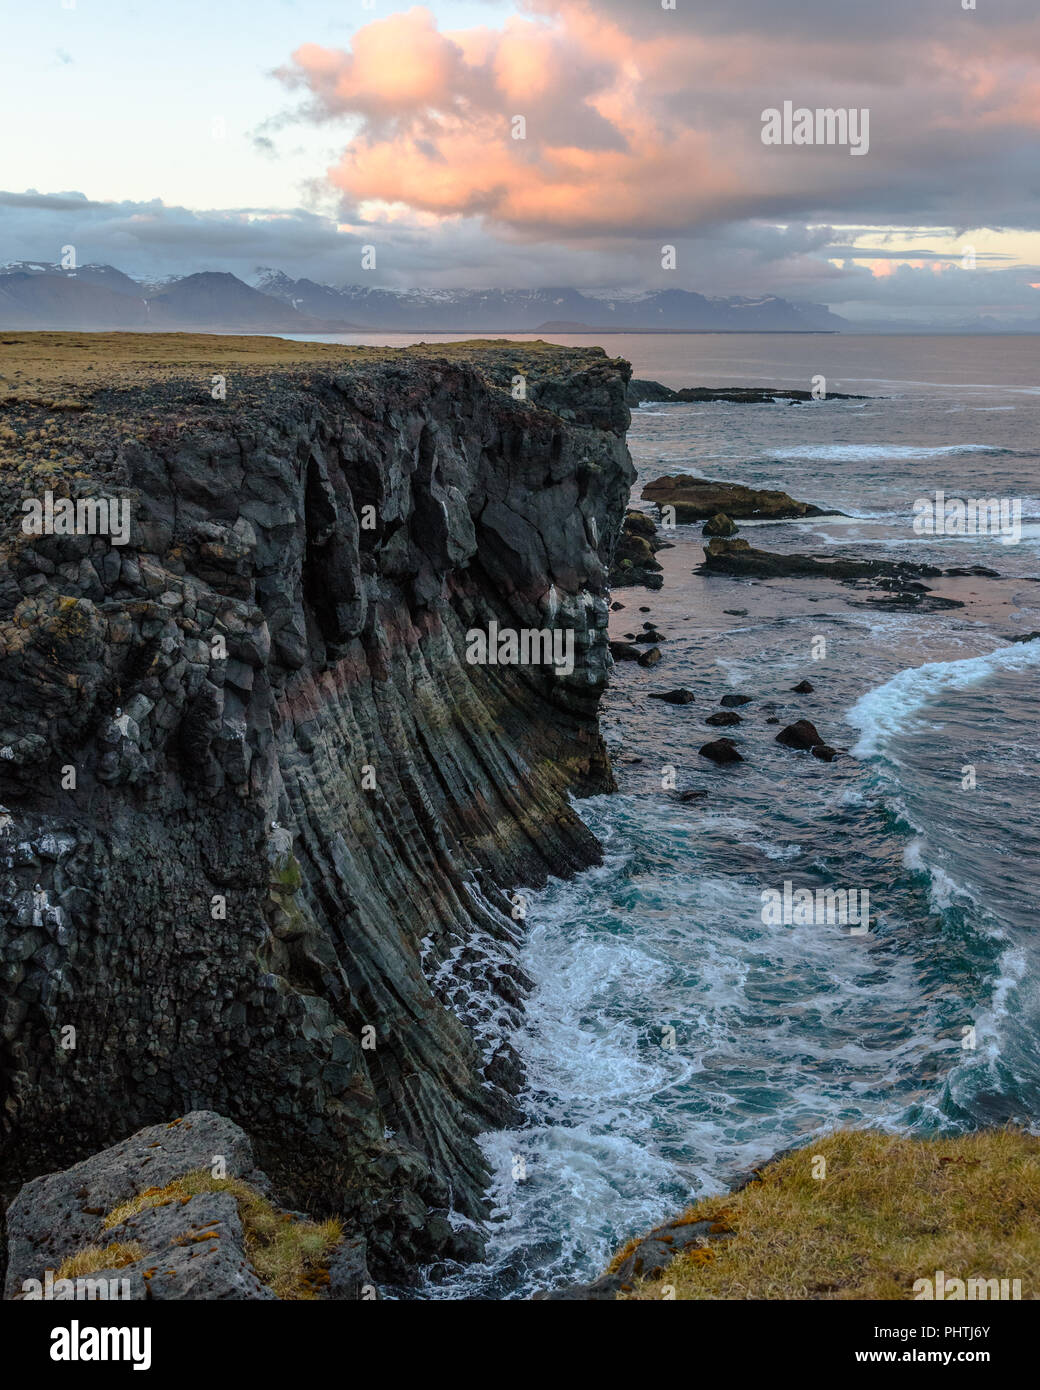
(650, 657)
(698, 499)
(824, 752)
(189, 1249)
(624, 651)
(276, 888)
(738, 557)
(651, 1257)
(734, 701)
(722, 750)
(801, 734)
(723, 719)
(56, 1215)
(641, 389)
(681, 696)
(634, 561)
(900, 580)
(803, 688)
(719, 525)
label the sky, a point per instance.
(232, 134)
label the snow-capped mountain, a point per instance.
(37, 294)
(552, 308)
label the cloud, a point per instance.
(642, 121)
(820, 263)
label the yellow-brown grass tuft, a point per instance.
(890, 1210)
(289, 1256)
(94, 1257)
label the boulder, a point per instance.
(722, 750)
(700, 499)
(634, 561)
(719, 525)
(173, 1245)
(682, 696)
(624, 651)
(723, 719)
(801, 734)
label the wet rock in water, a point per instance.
(616, 607)
(624, 651)
(651, 636)
(722, 750)
(700, 499)
(634, 561)
(734, 701)
(644, 610)
(724, 719)
(681, 696)
(897, 582)
(694, 794)
(719, 525)
(1025, 637)
(802, 734)
(650, 657)
(824, 752)
(803, 688)
(642, 389)
(735, 612)
(772, 719)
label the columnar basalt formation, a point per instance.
(262, 820)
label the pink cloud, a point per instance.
(655, 129)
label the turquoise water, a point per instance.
(929, 1022)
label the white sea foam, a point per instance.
(865, 453)
(888, 710)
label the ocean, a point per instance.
(673, 1038)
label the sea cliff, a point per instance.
(265, 830)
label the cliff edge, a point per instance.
(262, 813)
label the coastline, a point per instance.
(278, 884)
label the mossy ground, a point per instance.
(888, 1211)
(289, 1255)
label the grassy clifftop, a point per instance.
(50, 364)
(874, 1217)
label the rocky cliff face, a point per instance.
(260, 814)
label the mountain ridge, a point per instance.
(39, 295)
